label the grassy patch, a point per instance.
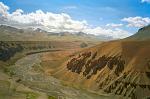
(51, 97)
(31, 95)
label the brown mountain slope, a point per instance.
(118, 67)
(142, 34)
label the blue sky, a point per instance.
(95, 12)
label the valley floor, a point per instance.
(28, 72)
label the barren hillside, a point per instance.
(118, 67)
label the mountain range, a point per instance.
(37, 34)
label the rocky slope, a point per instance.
(10, 48)
(117, 67)
(142, 34)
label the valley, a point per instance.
(31, 72)
(74, 49)
(75, 69)
(28, 71)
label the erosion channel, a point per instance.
(28, 71)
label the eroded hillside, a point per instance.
(118, 67)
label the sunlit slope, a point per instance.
(120, 67)
(142, 34)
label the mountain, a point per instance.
(120, 67)
(40, 30)
(37, 34)
(142, 34)
(8, 33)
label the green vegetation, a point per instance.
(51, 97)
(82, 45)
(31, 96)
(9, 49)
(9, 89)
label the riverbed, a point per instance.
(29, 72)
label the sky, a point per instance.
(115, 18)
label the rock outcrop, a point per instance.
(119, 67)
(87, 64)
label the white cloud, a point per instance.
(137, 21)
(18, 12)
(3, 9)
(114, 33)
(56, 22)
(147, 1)
(113, 25)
